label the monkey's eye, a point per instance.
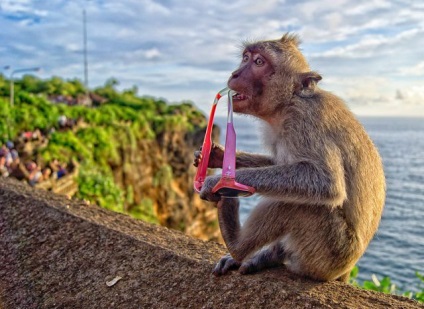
(259, 62)
(245, 57)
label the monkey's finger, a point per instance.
(198, 154)
(210, 197)
(230, 264)
(225, 264)
(197, 158)
(217, 147)
(196, 162)
(217, 269)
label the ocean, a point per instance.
(397, 249)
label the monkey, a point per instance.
(322, 186)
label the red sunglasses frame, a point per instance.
(227, 185)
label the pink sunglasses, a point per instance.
(227, 186)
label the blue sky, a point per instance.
(370, 53)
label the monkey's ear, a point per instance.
(306, 82)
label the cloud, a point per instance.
(370, 45)
(368, 7)
(378, 95)
(411, 96)
(153, 7)
(21, 10)
(142, 54)
(360, 90)
(153, 53)
(186, 50)
(414, 70)
(258, 7)
(16, 6)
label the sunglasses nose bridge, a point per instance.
(228, 187)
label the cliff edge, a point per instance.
(61, 253)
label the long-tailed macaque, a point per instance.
(322, 187)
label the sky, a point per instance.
(370, 53)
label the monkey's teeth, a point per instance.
(239, 96)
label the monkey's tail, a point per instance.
(229, 223)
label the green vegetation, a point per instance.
(100, 188)
(144, 211)
(117, 120)
(386, 286)
(145, 117)
(163, 176)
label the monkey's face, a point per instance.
(250, 81)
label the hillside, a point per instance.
(128, 153)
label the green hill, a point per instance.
(105, 125)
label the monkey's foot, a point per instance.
(225, 264)
(265, 258)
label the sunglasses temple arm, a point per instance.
(206, 150)
(229, 163)
(207, 145)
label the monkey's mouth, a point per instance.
(239, 97)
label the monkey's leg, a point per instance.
(268, 256)
(345, 277)
(261, 228)
(229, 224)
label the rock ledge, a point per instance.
(58, 253)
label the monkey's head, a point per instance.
(270, 74)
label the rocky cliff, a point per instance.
(160, 172)
(134, 153)
(61, 253)
(155, 173)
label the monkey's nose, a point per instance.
(236, 74)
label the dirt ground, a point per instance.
(58, 253)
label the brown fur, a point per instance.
(323, 186)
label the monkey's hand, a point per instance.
(225, 264)
(208, 185)
(215, 159)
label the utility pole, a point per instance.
(12, 82)
(12, 94)
(84, 21)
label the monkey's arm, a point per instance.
(243, 159)
(315, 178)
(302, 182)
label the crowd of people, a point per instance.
(12, 165)
(9, 158)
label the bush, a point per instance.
(99, 188)
(385, 285)
(144, 211)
